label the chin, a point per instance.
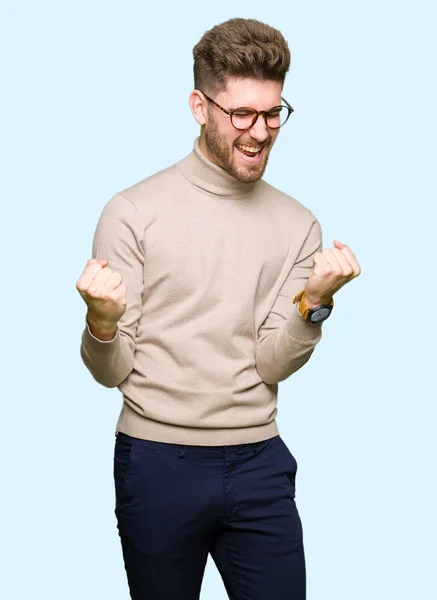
(247, 174)
(248, 177)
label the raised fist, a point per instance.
(103, 291)
(333, 268)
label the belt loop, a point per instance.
(181, 452)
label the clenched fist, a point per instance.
(333, 268)
(105, 294)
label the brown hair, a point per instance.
(239, 48)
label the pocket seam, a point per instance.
(127, 468)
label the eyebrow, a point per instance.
(248, 106)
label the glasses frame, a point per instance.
(230, 112)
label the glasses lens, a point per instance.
(242, 119)
(277, 117)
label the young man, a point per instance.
(208, 287)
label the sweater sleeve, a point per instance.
(118, 239)
(285, 340)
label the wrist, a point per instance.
(102, 330)
(313, 302)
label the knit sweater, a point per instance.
(211, 266)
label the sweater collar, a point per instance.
(208, 176)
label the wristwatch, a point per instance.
(313, 315)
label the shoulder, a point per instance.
(151, 188)
(136, 206)
(287, 206)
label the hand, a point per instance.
(104, 292)
(333, 268)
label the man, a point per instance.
(208, 287)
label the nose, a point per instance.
(259, 131)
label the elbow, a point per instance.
(273, 373)
(106, 379)
(106, 374)
(105, 382)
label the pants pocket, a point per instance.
(123, 452)
(290, 467)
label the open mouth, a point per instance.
(250, 153)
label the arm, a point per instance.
(118, 238)
(285, 340)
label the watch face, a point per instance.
(320, 314)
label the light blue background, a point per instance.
(80, 83)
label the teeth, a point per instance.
(249, 148)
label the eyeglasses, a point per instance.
(246, 117)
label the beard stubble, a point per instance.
(224, 155)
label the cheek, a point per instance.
(226, 135)
(232, 141)
(239, 138)
(275, 134)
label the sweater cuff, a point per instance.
(300, 329)
(94, 342)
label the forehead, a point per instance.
(252, 92)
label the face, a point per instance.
(222, 143)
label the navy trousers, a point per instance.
(176, 504)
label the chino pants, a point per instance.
(176, 504)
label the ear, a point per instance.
(198, 108)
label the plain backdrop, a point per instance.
(94, 97)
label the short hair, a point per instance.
(239, 48)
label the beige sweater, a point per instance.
(211, 266)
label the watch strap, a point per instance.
(304, 310)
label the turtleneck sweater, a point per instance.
(211, 265)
